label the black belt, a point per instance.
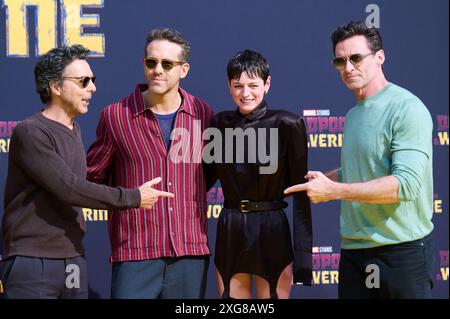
(246, 206)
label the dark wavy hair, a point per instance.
(251, 62)
(171, 36)
(357, 28)
(50, 67)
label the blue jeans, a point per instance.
(405, 271)
(165, 278)
(42, 278)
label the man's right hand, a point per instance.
(319, 188)
(149, 195)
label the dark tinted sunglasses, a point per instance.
(341, 62)
(82, 80)
(167, 65)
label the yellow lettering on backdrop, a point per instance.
(443, 138)
(93, 215)
(325, 277)
(74, 22)
(325, 140)
(4, 145)
(438, 206)
(16, 26)
(444, 273)
(214, 211)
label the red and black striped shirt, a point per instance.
(129, 150)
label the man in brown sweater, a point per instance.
(43, 225)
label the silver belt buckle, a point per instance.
(243, 202)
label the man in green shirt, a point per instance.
(385, 180)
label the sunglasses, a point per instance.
(355, 59)
(81, 80)
(167, 65)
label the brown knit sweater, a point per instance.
(45, 189)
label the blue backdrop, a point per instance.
(294, 35)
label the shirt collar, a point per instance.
(139, 106)
(257, 113)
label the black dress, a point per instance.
(260, 242)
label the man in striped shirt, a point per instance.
(160, 252)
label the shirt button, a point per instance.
(170, 184)
(170, 209)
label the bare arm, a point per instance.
(381, 190)
(320, 188)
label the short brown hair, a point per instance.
(171, 36)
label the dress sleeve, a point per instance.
(37, 156)
(302, 221)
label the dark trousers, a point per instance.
(400, 271)
(42, 278)
(165, 278)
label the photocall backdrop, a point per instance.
(293, 35)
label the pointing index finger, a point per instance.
(165, 194)
(296, 188)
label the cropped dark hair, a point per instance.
(250, 62)
(171, 36)
(358, 28)
(50, 67)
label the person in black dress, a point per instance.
(268, 153)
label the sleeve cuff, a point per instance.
(134, 198)
(302, 268)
